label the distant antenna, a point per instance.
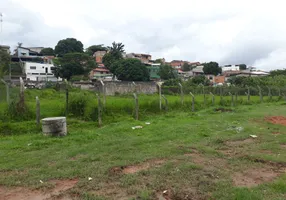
(1, 21)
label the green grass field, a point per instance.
(206, 154)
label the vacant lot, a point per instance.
(180, 155)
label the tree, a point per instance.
(278, 72)
(94, 48)
(160, 60)
(114, 54)
(4, 61)
(131, 69)
(166, 72)
(197, 80)
(108, 59)
(242, 67)
(116, 48)
(173, 82)
(47, 52)
(186, 67)
(69, 45)
(211, 68)
(74, 64)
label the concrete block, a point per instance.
(54, 126)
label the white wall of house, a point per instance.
(39, 72)
(230, 68)
(36, 49)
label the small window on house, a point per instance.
(42, 74)
(35, 73)
(33, 67)
(50, 74)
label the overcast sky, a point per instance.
(227, 31)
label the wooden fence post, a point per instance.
(193, 102)
(104, 92)
(22, 94)
(269, 93)
(248, 94)
(220, 93)
(99, 110)
(135, 88)
(232, 99)
(7, 91)
(166, 102)
(236, 98)
(160, 96)
(260, 93)
(182, 93)
(213, 98)
(38, 111)
(67, 101)
(204, 95)
(136, 106)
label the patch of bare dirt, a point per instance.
(113, 190)
(223, 110)
(77, 157)
(264, 151)
(186, 194)
(255, 176)
(283, 146)
(276, 133)
(197, 158)
(240, 142)
(131, 169)
(207, 162)
(276, 120)
(22, 193)
(230, 152)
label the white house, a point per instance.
(230, 68)
(25, 52)
(39, 71)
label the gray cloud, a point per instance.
(21, 25)
(224, 31)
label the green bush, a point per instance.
(77, 104)
(18, 128)
(18, 111)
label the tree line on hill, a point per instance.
(72, 60)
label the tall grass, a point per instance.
(83, 105)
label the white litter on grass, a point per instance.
(165, 191)
(253, 136)
(29, 144)
(89, 178)
(147, 123)
(41, 181)
(239, 129)
(137, 127)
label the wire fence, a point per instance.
(225, 90)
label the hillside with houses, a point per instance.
(40, 64)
